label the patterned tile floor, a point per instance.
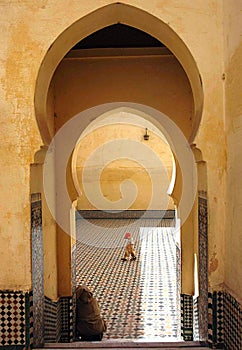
(137, 298)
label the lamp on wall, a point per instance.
(146, 136)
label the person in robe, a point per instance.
(90, 326)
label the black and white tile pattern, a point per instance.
(12, 312)
(66, 317)
(52, 326)
(203, 265)
(224, 321)
(37, 269)
(232, 323)
(137, 298)
(187, 317)
(196, 336)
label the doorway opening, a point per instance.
(137, 298)
(140, 299)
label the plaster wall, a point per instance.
(187, 255)
(148, 177)
(64, 242)
(159, 82)
(188, 238)
(28, 31)
(20, 139)
(233, 108)
(211, 140)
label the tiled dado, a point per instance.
(16, 324)
(224, 321)
(58, 320)
(187, 317)
(196, 335)
(52, 321)
(232, 313)
(66, 319)
(16, 327)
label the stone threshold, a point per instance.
(123, 344)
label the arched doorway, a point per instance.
(105, 16)
(64, 151)
(109, 15)
(139, 300)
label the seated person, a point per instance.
(89, 323)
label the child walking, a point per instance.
(129, 249)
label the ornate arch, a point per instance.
(104, 16)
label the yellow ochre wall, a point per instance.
(28, 31)
(159, 82)
(147, 176)
(233, 112)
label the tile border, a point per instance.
(187, 317)
(203, 266)
(37, 269)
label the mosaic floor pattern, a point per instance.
(137, 298)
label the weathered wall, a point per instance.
(187, 255)
(29, 29)
(212, 142)
(159, 82)
(19, 140)
(233, 107)
(149, 177)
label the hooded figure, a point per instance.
(89, 323)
